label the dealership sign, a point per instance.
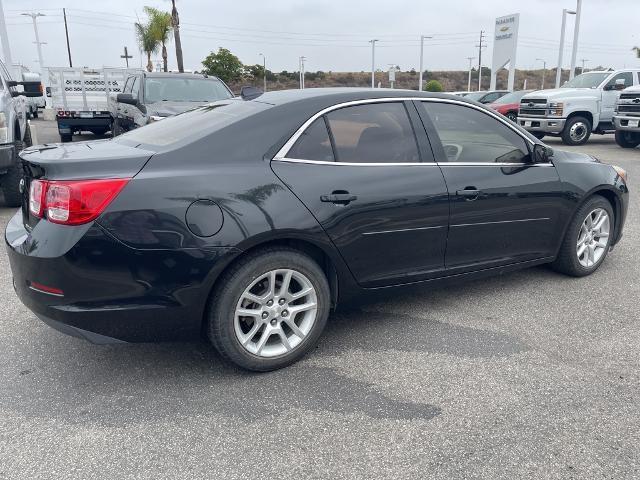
(505, 44)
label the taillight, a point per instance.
(72, 202)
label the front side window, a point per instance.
(626, 76)
(135, 88)
(468, 135)
(373, 133)
(313, 144)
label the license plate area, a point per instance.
(633, 123)
(527, 123)
(85, 114)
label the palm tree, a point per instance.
(147, 42)
(175, 23)
(160, 25)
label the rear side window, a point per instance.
(313, 144)
(373, 133)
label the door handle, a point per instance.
(470, 193)
(339, 198)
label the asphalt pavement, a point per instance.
(525, 375)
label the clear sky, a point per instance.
(332, 34)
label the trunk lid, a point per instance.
(78, 161)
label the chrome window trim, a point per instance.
(412, 164)
(281, 155)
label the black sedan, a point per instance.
(247, 221)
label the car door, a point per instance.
(611, 93)
(504, 209)
(368, 177)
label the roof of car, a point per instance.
(178, 74)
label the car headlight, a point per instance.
(155, 118)
(556, 109)
(622, 173)
(4, 138)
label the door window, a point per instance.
(626, 76)
(135, 88)
(313, 144)
(127, 85)
(373, 133)
(468, 135)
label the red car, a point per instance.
(509, 104)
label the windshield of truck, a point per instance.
(176, 89)
(513, 97)
(587, 80)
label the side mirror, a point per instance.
(542, 153)
(620, 84)
(12, 83)
(15, 93)
(126, 98)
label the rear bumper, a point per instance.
(544, 125)
(111, 292)
(621, 122)
(7, 155)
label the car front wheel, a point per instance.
(627, 139)
(269, 310)
(587, 240)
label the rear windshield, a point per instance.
(192, 124)
(177, 89)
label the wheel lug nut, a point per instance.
(269, 303)
(285, 313)
(281, 301)
(265, 314)
(273, 322)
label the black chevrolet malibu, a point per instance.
(247, 221)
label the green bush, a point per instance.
(433, 86)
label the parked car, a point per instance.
(149, 97)
(627, 118)
(460, 94)
(486, 97)
(582, 106)
(14, 134)
(509, 104)
(249, 220)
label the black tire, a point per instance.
(116, 128)
(65, 137)
(567, 260)
(582, 128)
(35, 113)
(513, 116)
(538, 135)
(10, 181)
(627, 139)
(220, 322)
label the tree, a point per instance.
(224, 65)
(175, 24)
(160, 26)
(433, 86)
(147, 42)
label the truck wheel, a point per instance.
(35, 113)
(513, 116)
(627, 139)
(65, 137)
(11, 179)
(116, 129)
(576, 131)
(538, 135)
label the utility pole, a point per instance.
(471, 59)
(422, 37)
(576, 32)
(66, 32)
(5, 39)
(544, 71)
(38, 42)
(480, 47)
(561, 49)
(373, 62)
(264, 71)
(175, 24)
(583, 60)
(126, 56)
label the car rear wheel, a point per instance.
(269, 309)
(576, 131)
(587, 240)
(627, 139)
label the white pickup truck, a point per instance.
(627, 118)
(582, 106)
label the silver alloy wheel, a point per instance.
(593, 238)
(578, 131)
(275, 313)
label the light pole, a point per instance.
(564, 24)
(302, 59)
(38, 42)
(422, 37)
(583, 60)
(264, 71)
(576, 31)
(471, 59)
(373, 62)
(544, 70)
